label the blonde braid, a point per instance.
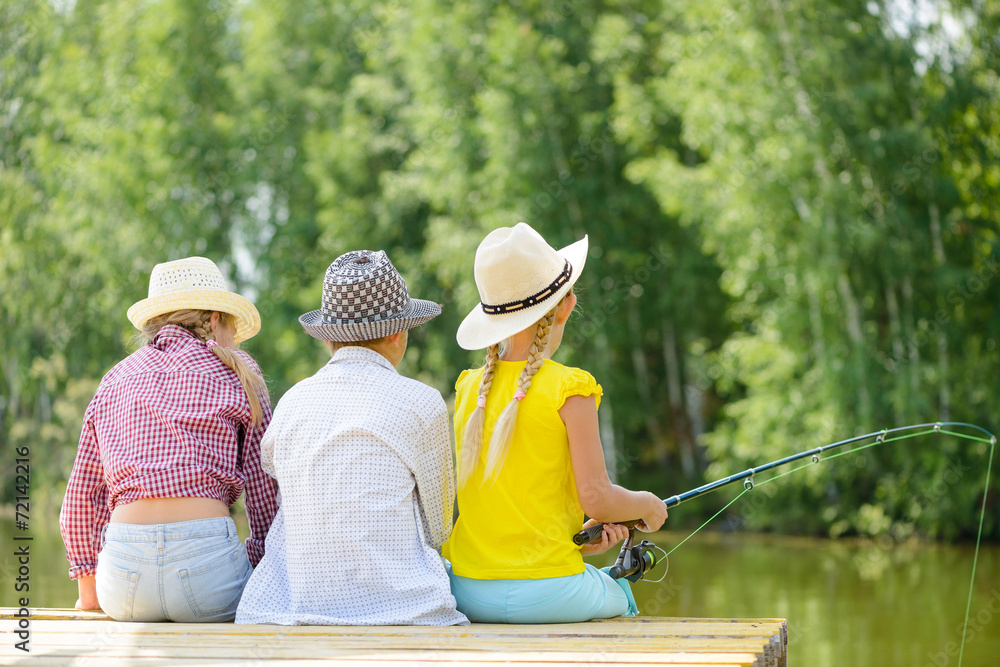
(472, 437)
(201, 328)
(503, 431)
(197, 322)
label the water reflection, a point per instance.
(848, 602)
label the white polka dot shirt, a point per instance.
(363, 462)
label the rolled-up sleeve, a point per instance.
(85, 510)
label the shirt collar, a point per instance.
(358, 353)
(171, 331)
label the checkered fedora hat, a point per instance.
(365, 298)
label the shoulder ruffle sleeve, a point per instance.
(466, 386)
(578, 382)
(461, 379)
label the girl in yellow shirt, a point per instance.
(530, 462)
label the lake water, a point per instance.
(848, 602)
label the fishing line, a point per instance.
(979, 535)
(881, 439)
(662, 576)
(813, 462)
(815, 459)
(745, 490)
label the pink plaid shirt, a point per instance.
(166, 422)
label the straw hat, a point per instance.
(194, 283)
(365, 298)
(520, 278)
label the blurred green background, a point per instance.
(793, 210)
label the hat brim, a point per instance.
(480, 330)
(418, 312)
(247, 317)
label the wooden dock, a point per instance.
(68, 637)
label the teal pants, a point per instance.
(580, 597)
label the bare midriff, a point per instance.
(148, 511)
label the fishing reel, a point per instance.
(634, 561)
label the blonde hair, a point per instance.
(197, 322)
(472, 437)
(503, 430)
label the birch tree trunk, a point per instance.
(685, 443)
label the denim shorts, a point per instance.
(573, 599)
(189, 571)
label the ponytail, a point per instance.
(197, 322)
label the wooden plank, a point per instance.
(574, 632)
(438, 657)
(380, 653)
(331, 644)
(665, 651)
(319, 646)
(66, 636)
(485, 661)
(202, 632)
(477, 630)
(623, 622)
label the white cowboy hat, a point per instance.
(520, 278)
(194, 283)
(365, 298)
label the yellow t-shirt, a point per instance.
(522, 526)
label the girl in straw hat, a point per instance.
(169, 442)
(530, 462)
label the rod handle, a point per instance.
(588, 535)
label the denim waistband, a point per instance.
(181, 530)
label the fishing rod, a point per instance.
(634, 561)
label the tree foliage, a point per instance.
(792, 208)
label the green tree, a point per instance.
(817, 183)
(792, 211)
